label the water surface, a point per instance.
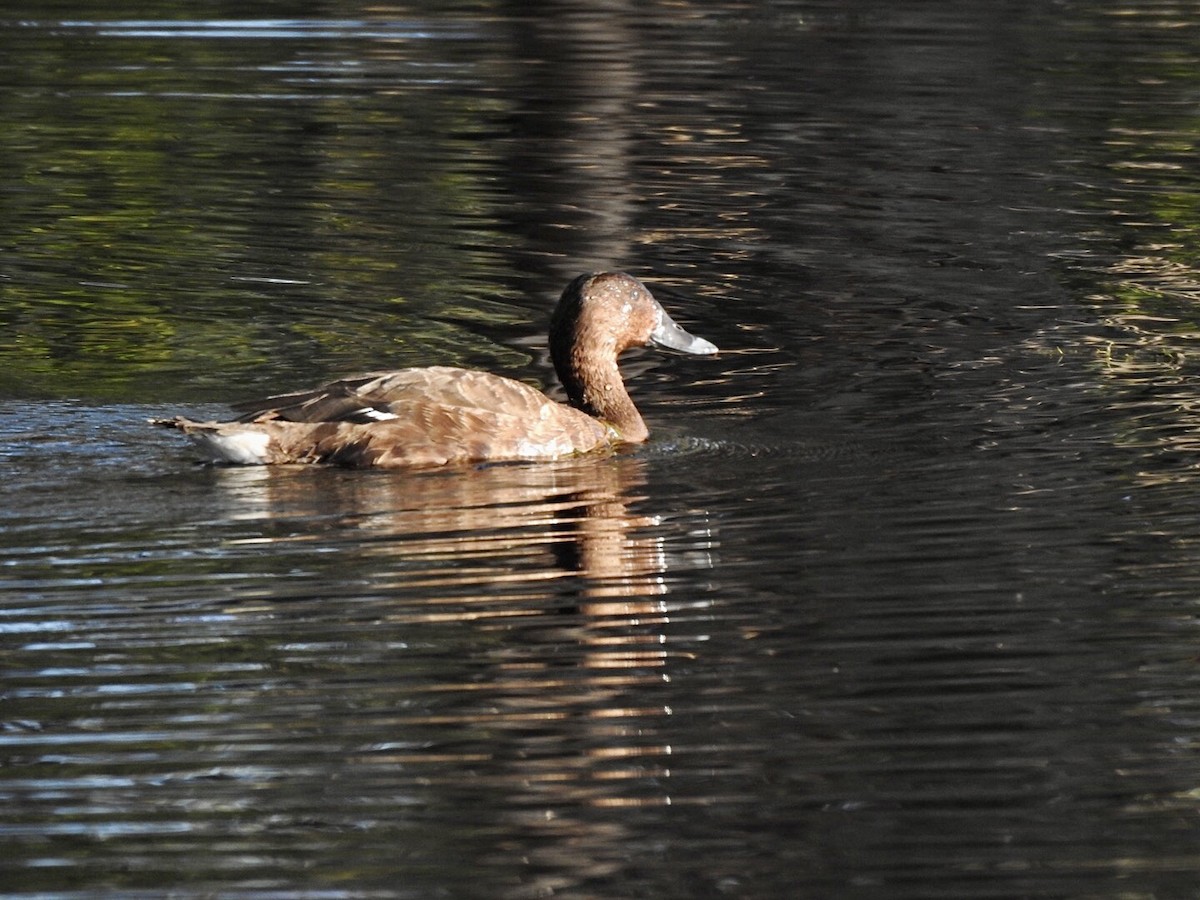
(899, 600)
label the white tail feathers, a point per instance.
(240, 446)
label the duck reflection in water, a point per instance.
(441, 415)
(490, 542)
(550, 557)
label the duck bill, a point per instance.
(671, 336)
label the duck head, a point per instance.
(598, 318)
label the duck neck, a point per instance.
(594, 385)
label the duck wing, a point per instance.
(387, 396)
(409, 417)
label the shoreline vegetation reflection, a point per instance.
(186, 279)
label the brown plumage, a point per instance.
(441, 415)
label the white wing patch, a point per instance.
(377, 415)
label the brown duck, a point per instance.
(441, 415)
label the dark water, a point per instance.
(900, 600)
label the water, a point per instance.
(900, 599)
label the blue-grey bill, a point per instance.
(670, 335)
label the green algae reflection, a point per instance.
(187, 219)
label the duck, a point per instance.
(441, 415)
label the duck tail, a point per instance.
(242, 445)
